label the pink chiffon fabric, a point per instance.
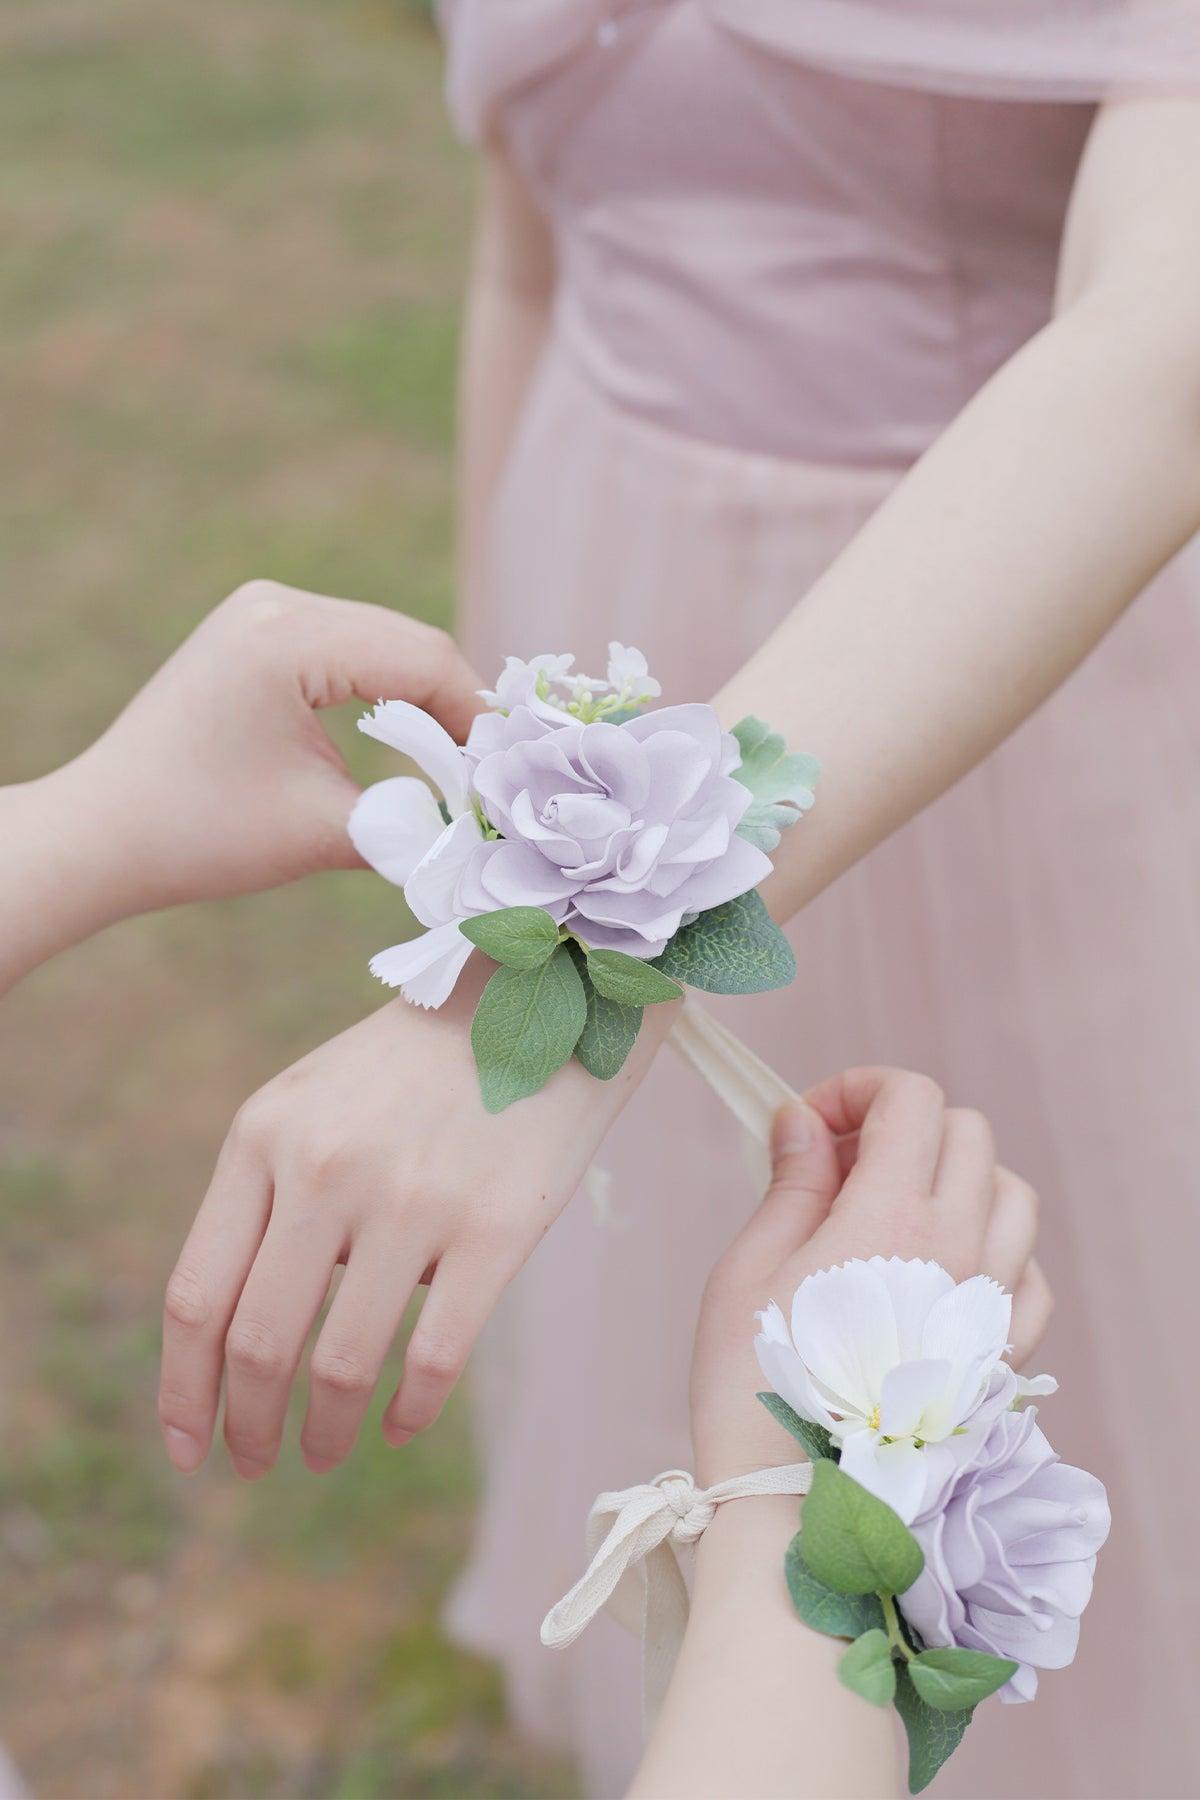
(778, 280)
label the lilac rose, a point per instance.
(622, 832)
(1010, 1541)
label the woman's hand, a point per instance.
(376, 1152)
(873, 1163)
(217, 778)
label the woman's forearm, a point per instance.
(507, 313)
(755, 1708)
(1002, 558)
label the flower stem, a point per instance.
(892, 1620)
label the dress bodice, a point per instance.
(758, 248)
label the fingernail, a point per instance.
(397, 1437)
(793, 1132)
(184, 1450)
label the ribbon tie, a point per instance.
(634, 1569)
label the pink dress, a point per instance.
(793, 237)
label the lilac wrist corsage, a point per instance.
(941, 1534)
(603, 852)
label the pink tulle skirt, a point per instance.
(1033, 940)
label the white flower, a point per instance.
(900, 1364)
(629, 675)
(397, 827)
(529, 684)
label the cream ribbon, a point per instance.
(633, 1538)
(751, 1090)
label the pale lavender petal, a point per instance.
(515, 875)
(696, 720)
(616, 762)
(741, 868)
(432, 887)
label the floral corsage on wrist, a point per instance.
(941, 1533)
(603, 852)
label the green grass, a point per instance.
(233, 239)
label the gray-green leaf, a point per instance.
(525, 1027)
(520, 937)
(781, 782)
(867, 1668)
(932, 1736)
(818, 1442)
(836, 1615)
(609, 1033)
(952, 1679)
(854, 1542)
(628, 980)
(736, 948)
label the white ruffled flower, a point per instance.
(530, 684)
(398, 827)
(629, 675)
(900, 1364)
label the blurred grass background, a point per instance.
(231, 242)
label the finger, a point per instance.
(898, 1117)
(847, 1153)
(964, 1187)
(202, 1294)
(1033, 1307)
(355, 1339)
(350, 648)
(459, 1303)
(804, 1183)
(1011, 1232)
(283, 1294)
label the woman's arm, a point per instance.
(508, 308)
(755, 1706)
(218, 777)
(1020, 537)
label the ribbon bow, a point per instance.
(632, 1539)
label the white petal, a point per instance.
(407, 729)
(393, 824)
(783, 1371)
(894, 1473)
(1032, 1387)
(907, 1391)
(845, 1331)
(914, 1287)
(431, 888)
(426, 969)
(970, 1323)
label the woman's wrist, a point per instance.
(68, 868)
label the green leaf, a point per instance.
(525, 1027)
(520, 937)
(837, 1615)
(736, 948)
(867, 1668)
(609, 1032)
(629, 981)
(953, 1679)
(853, 1542)
(932, 1736)
(816, 1440)
(781, 782)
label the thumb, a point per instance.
(805, 1179)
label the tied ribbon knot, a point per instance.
(632, 1540)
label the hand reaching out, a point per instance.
(874, 1164)
(217, 778)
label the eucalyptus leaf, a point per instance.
(867, 1667)
(520, 937)
(933, 1736)
(817, 1442)
(736, 948)
(609, 1032)
(853, 1542)
(780, 780)
(628, 980)
(834, 1614)
(526, 1025)
(951, 1679)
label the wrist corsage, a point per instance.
(604, 853)
(941, 1534)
